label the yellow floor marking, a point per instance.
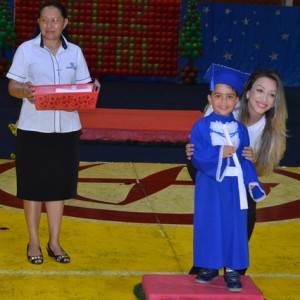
(109, 258)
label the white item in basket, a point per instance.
(73, 90)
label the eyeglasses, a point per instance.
(51, 21)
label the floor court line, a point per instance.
(122, 273)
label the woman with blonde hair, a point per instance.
(262, 109)
(270, 140)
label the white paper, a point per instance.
(72, 90)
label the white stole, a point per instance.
(236, 171)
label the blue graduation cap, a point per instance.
(225, 75)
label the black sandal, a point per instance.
(37, 259)
(62, 258)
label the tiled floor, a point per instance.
(131, 219)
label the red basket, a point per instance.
(46, 97)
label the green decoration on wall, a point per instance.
(190, 42)
(7, 35)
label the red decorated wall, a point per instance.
(118, 37)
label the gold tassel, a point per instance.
(13, 128)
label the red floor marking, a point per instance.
(148, 186)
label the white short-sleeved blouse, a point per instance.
(35, 63)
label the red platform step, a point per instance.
(184, 287)
(137, 124)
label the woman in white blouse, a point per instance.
(47, 147)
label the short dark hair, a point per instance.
(62, 10)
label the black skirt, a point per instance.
(47, 165)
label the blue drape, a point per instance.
(250, 37)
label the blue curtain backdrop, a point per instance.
(250, 37)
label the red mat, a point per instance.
(184, 287)
(138, 125)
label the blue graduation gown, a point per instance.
(220, 225)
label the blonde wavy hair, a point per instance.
(273, 138)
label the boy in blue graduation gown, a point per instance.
(222, 178)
